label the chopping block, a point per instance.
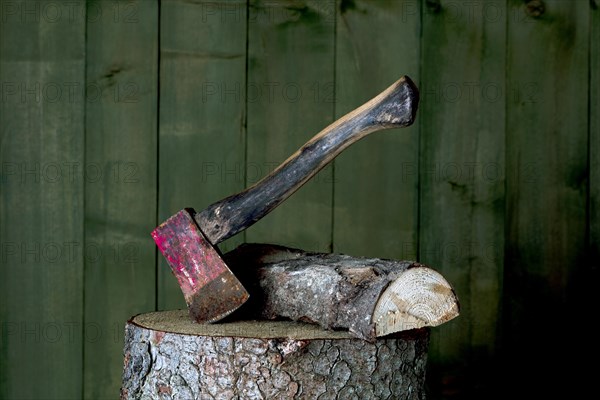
(367, 337)
(169, 357)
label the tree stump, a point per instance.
(167, 356)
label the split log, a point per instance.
(167, 356)
(370, 297)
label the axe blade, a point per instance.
(210, 289)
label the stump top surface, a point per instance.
(179, 321)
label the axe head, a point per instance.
(210, 289)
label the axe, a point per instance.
(188, 239)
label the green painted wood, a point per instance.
(51, 154)
(120, 200)
(290, 99)
(594, 216)
(462, 150)
(547, 147)
(42, 64)
(589, 271)
(376, 180)
(202, 120)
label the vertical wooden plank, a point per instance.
(462, 152)
(547, 139)
(594, 149)
(376, 191)
(586, 282)
(290, 99)
(42, 63)
(120, 195)
(202, 104)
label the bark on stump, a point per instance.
(167, 356)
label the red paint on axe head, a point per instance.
(210, 289)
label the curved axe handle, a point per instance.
(395, 107)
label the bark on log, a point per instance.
(167, 356)
(370, 297)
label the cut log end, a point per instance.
(180, 322)
(419, 297)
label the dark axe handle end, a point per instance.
(393, 108)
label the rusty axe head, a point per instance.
(210, 289)
(187, 239)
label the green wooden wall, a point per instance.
(116, 114)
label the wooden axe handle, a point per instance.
(395, 107)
